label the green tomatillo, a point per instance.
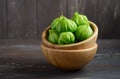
(66, 38)
(80, 19)
(83, 32)
(63, 24)
(53, 36)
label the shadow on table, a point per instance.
(46, 70)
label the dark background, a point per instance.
(26, 19)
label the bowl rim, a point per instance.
(70, 51)
(93, 26)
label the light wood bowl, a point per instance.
(69, 59)
(80, 45)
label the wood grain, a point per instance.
(89, 8)
(109, 18)
(72, 6)
(26, 19)
(47, 11)
(3, 21)
(21, 19)
(86, 7)
(23, 59)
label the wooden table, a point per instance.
(23, 59)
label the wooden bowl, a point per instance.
(69, 59)
(80, 45)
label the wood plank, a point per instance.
(23, 59)
(47, 11)
(72, 6)
(90, 9)
(86, 7)
(22, 19)
(3, 22)
(109, 18)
